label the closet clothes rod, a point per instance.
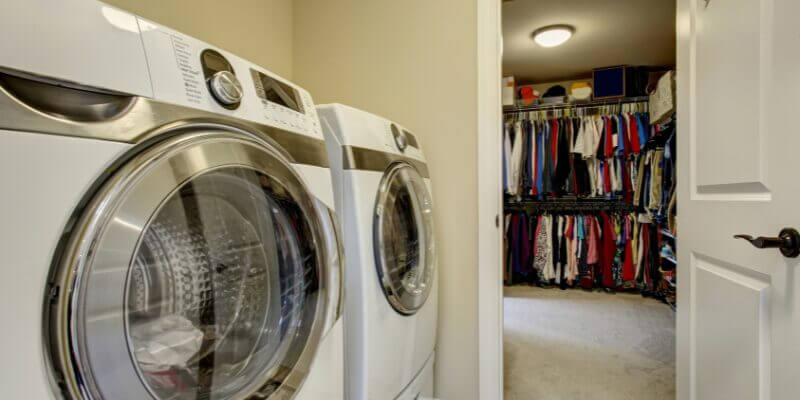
(572, 206)
(589, 104)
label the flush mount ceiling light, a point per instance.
(553, 35)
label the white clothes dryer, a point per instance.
(167, 228)
(383, 198)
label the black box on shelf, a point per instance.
(609, 82)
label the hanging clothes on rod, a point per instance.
(610, 250)
(553, 153)
(655, 186)
(625, 242)
(590, 200)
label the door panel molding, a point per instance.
(725, 38)
(722, 316)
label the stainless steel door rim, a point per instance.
(403, 238)
(89, 317)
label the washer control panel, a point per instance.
(399, 140)
(189, 72)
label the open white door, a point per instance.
(738, 306)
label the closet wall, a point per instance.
(414, 61)
(258, 30)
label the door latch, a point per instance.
(788, 241)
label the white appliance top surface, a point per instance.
(91, 44)
(354, 127)
(79, 41)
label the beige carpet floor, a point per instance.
(573, 344)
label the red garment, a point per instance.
(534, 156)
(634, 129)
(609, 249)
(592, 256)
(554, 156)
(593, 240)
(628, 271)
(609, 138)
(626, 139)
(607, 175)
(627, 185)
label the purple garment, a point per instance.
(525, 246)
(521, 244)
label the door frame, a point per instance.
(490, 202)
(683, 95)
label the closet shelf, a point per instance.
(557, 106)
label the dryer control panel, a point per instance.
(189, 72)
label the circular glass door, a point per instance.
(197, 274)
(403, 238)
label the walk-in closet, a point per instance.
(589, 198)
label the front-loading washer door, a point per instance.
(403, 238)
(198, 271)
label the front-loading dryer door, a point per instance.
(199, 270)
(403, 238)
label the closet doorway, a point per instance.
(589, 199)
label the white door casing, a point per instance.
(490, 201)
(738, 306)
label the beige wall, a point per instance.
(414, 61)
(257, 30)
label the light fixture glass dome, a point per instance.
(553, 35)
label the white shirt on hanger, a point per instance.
(516, 160)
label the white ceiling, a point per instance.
(607, 33)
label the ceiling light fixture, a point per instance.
(553, 35)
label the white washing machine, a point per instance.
(167, 225)
(383, 199)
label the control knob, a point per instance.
(226, 88)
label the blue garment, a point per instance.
(646, 123)
(540, 159)
(642, 134)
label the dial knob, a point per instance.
(399, 139)
(401, 142)
(225, 88)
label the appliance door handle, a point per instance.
(788, 241)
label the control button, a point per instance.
(226, 88)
